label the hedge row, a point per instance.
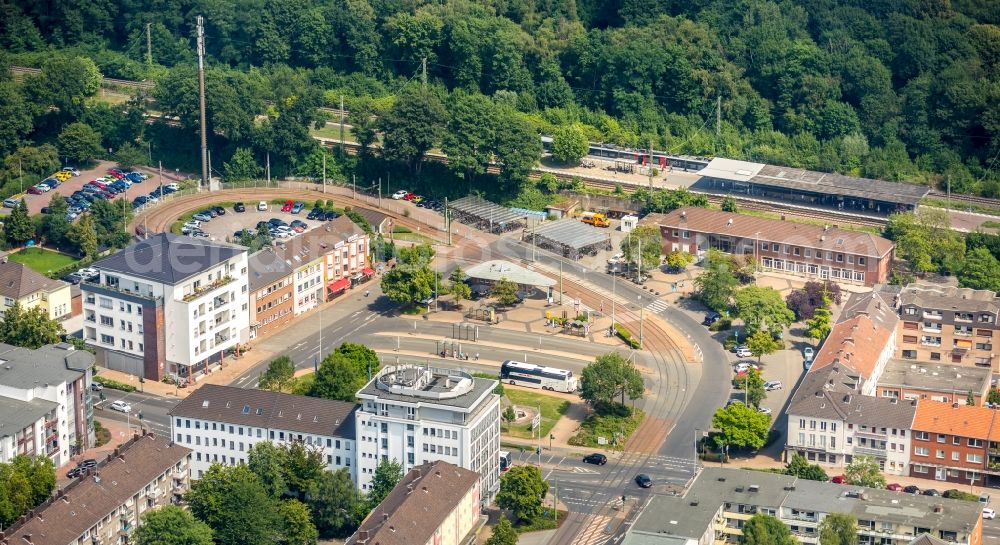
(114, 384)
(626, 336)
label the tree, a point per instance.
(503, 533)
(29, 328)
(364, 359)
(15, 118)
(864, 471)
(268, 462)
(764, 529)
(569, 143)
(522, 490)
(242, 166)
(65, 83)
(645, 242)
(412, 279)
(472, 124)
(84, 237)
(729, 204)
(980, 270)
(762, 343)
(516, 144)
(18, 227)
(970, 398)
(742, 426)
(278, 375)
(799, 467)
(336, 378)
(763, 309)
(24, 484)
(303, 466)
(716, 285)
(925, 239)
(505, 292)
(803, 302)
(753, 384)
(412, 126)
(838, 529)
(79, 143)
(232, 501)
(54, 226)
(611, 376)
(993, 396)
(336, 506)
(295, 523)
(818, 327)
(460, 291)
(677, 260)
(387, 475)
(129, 155)
(364, 124)
(172, 525)
(509, 415)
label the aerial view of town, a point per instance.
(497, 272)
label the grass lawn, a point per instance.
(301, 384)
(42, 261)
(552, 410)
(332, 130)
(545, 522)
(607, 426)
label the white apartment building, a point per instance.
(222, 423)
(419, 414)
(105, 506)
(45, 407)
(168, 305)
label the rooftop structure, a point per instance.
(953, 419)
(496, 269)
(167, 258)
(428, 385)
(857, 345)
(485, 215)
(24, 368)
(266, 268)
(959, 380)
(435, 503)
(569, 237)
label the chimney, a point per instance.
(362, 535)
(416, 472)
(954, 405)
(425, 490)
(939, 508)
(385, 517)
(409, 488)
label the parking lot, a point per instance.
(224, 228)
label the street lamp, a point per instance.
(640, 321)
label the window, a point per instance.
(912, 339)
(941, 438)
(939, 453)
(935, 356)
(984, 346)
(974, 458)
(956, 440)
(975, 442)
(955, 455)
(861, 261)
(910, 311)
(986, 318)
(922, 435)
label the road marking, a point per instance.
(658, 306)
(584, 470)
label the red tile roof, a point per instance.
(855, 344)
(961, 420)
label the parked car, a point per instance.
(72, 170)
(417, 199)
(330, 215)
(931, 492)
(287, 206)
(262, 206)
(96, 386)
(732, 402)
(764, 410)
(643, 480)
(121, 406)
(743, 366)
(299, 226)
(277, 222)
(297, 207)
(984, 499)
(838, 479)
(219, 211)
(52, 183)
(36, 190)
(211, 212)
(807, 353)
(596, 458)
(193, 224)
(202, 216)
(314, 213)
(172, 186)
(87, 464)
(239, 234)
(743, 352)
(989, 513)
(239, 207)
(409, 196)
(895, 487)
(737, 347)
(711, 318)
(400, 194)
(772, 385)
(912, 489)
(75, 472)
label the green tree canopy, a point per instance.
(569, 143)
(268, 462)
(18, 227)
(503, 533)
(753, 384)
(925, 239)
(84, 236)
(364, 359)
(864, 471)
(232, 501)
(762, 343)
(799, 467)
(610, 377)
(29, 328)
(336, 378)
(764, 529)
(742, 426)
(646, 242)
(336, 505)
(242, 166)
(80, 143)
(522, 491)
(763, 309)
(505, 292)
(24, 484)
(129, 155)
(172, 525)
(278, 375)
(716, 285)
(387, 475)
(980, 270)
(818, 327)
(838, 529)
(413, 125)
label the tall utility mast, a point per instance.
(201, 101)
(149, 44)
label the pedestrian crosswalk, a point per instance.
(597, 531)
(658, 305)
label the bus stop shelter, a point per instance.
(569, 238)
(491, 271)
(485, 215)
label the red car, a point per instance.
(895, 487)
(115, 172)
(34, 190)
(409, 196)
(288, 206)
(839, 479)
(99, 184)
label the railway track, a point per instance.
(971, 199)
(105, 82)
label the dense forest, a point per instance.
(903, 90)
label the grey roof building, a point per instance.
(908, 377)
(266, 268)
(18, 280)
(168, 258)
(672, 520)
(933, 296)
(24, 368)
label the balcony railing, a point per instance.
(878, 452)
(960, 333)
(871, 433)
(929, 316)
(205, 289)
(118, 289)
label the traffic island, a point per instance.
(530, 415)
(608, 427)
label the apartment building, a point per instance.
(20, 284)
(324, 261)
(222, 423)
(720, 501)
(105, 506)
(909, 380)
(436, 503)
(810, 251)
(45, 406)
(948, 324)
(950, 441)
(416, 414)
(168, 305)
(272, 289)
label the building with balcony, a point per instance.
(906, 379)
(948, 324)
(436, 503)
(724, 499)
(417, 414)
(950, 441)
(222, 423)
(105, 506)
(20, 284)
(45, 406)
(804, 250)
(272, 288)
(168, 305)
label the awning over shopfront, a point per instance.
(340, 284)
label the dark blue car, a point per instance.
(134, 177)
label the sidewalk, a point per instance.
(119, 435)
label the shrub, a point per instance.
(114, 384)
(722, 324)
(626, 336)
(729, 343)
(956, 494)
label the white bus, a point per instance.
(537, 376)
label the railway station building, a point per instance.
(812, 251)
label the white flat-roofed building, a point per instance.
(222, 423)
(418, 414)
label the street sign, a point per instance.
(536, 420)
(602, 440)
